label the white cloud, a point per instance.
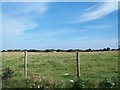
(88, 38)
(90, 8)
(98, 12)
(97, 27)
(16, 26)
(81, 38)
(56, 33)
(18, 19)
(38, 7)
(26, 7)
(63, 31)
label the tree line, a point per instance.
(60, 50)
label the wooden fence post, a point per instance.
(78, 64)
(25, 65)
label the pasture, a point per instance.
(61, 66)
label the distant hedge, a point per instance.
(60, 50)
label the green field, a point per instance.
(95, 66)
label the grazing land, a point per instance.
(61, 66)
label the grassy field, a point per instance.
(95, 66)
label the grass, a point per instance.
(95, 66)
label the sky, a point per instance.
(59, 25)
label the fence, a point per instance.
(62, 65)
(77, 64)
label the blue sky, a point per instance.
(59, 25)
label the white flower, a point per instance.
(38, 86)
(71, 81)
(33, 84)
(35, 80)
(66, 74)
(40, 80)
(43, 77)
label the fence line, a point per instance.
(25, 64)
(78, 64)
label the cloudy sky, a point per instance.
(63, 25)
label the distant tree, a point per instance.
(108, 49)
(17, 50)
(70, 50)
(4, 51)
(113, 49)
(32, 50)
(52, 50)
(88, 50)
(100, 50)
(47, 50)
(104, 49)
(10, 50)
(59, 50)
(77, 50)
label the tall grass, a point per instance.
(95, 66)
